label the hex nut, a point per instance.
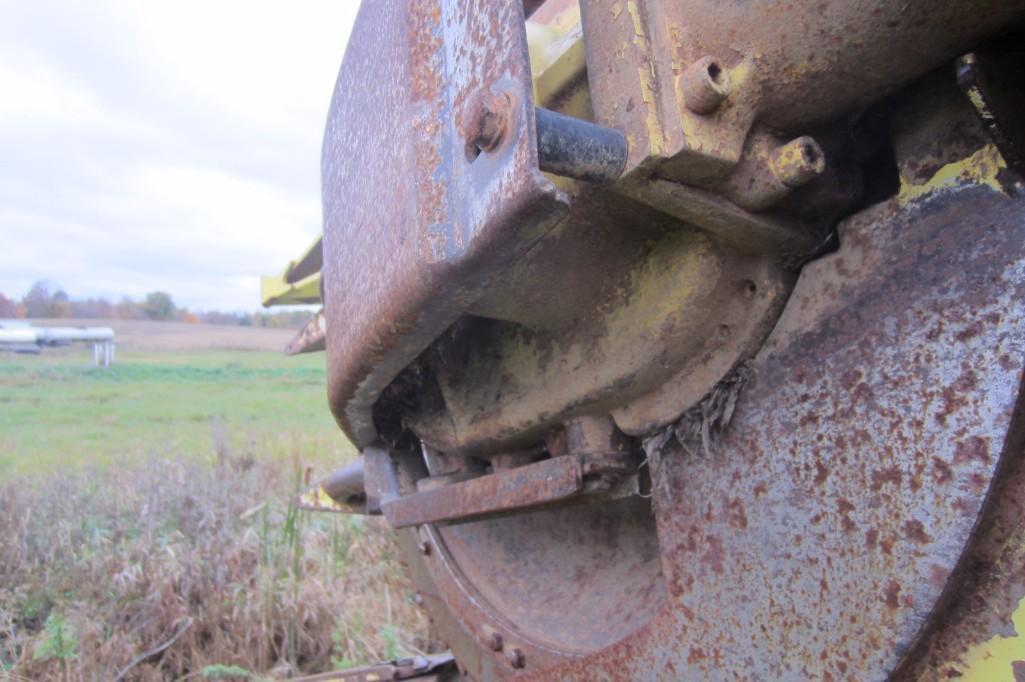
(485, 120)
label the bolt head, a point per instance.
(485, 121)
(516, 658)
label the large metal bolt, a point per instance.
(484, 122)
(797, 162)
(704, 85)
(516, 658)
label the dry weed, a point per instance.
(174, 569)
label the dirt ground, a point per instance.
(148, 336)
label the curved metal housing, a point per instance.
(796, 210)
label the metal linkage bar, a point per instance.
(558, 480)
(543, 482)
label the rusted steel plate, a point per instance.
(545, 482)
(604, 582)
(820, 539)
(825, 532)
(843, 57)
(417, 220)
(981, 635)
(311, 338)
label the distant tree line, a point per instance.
(47, 300)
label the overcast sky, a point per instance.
(162, 145)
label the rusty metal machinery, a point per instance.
(684, 339)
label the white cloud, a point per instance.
(163, 145)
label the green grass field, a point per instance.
(56, 410)
(148, 503)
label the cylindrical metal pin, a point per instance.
(579, 149)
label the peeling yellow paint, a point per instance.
(981, 168)
(654, 126)
(991, 661)
(975, 97)
(635, 16)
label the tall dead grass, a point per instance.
(174, 569)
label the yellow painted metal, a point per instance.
(559, 62)
(317, 499)
(982, 167)
(551, 31)
(299, 283)
(275, 290)
(992, 660)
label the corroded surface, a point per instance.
(523, 487)
(818, 542)
(981, 635)
(826, 535)
(791, 64)
(414, 227)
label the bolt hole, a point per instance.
(715, 72)
(750, 288)
(473, 150)
(724, 331)
(810, 153)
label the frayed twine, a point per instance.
(700, 426)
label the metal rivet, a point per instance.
(493, 640)
(704, 85)
(424, 547)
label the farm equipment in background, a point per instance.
(18, 336)
(684, 339)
